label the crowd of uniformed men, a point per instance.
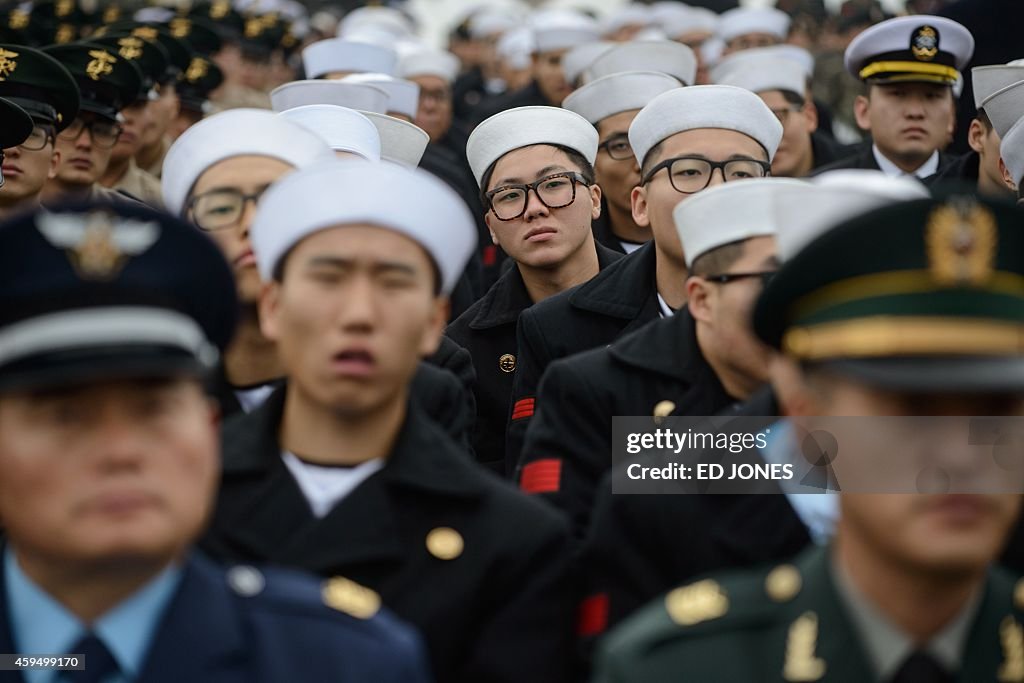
(418, 284)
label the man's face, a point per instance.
(107, 473)
(434, 114)
(908, 121)
(695, 41)
(352, 316)
(136, 117)
(185, 119)
(794, 157)
(27, 170)
(161, 112)
(749, 41)
(82, 160)
(547, 70)
(617, 177)
(653, 203)
(248, 175)
(542, 237)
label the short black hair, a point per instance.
(586, 170)
(718, 260)
(986, 122)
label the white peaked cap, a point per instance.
(576, 61)
(1005, 107)
(401, 142)
(429, 62)
(345, 192)
(763, 74)
(233, 133)
(617, 93)
(386, 19)
(804, 213)
(345, 130)
(524, 126)
(361, 96)
(1011, 149)
(515, 47)
(743, 20)
(403, 95)
(704, 106)
(561, 30)
(675, 59)
(896, 35)
(337, 54)
(987, 80)
(630, 14)
(728, 213)
(676, 19)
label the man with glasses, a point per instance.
(684, 140)
(534, 168)
(106, 83)
(42, 87)
(610, 104)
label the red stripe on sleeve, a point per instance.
(541, 476)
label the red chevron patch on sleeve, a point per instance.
(523, 408)
(542, 476)
(593, 615)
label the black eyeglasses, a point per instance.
(726, 278)
(221, 208)
(692, 174)
(783, 114)
(508, 202)
(618, 148)
(103, 133)
(37, 139)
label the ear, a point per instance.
(698, 298)
(638, 203)
(861, 111)
(976, 135)
(1007, 178)
(595, 198)
(488, 218)
(51, 172)
(796, 398)
(431, 340)
(811, 114)
(270, 309)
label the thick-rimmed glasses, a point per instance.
(37, 139)
(103, 133)
(618, 148)
(221, 208)
(784, 113)
(508, 202)
(692, 174)
(726, 278)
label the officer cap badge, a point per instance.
(696, 603)
(197, 69)
(146, 33)
(253, 27)
(131, 47)
(64, 35)
(18, 19)
(220, 9)
(8, 63)
(349, 597)
(961, 240)
(101, 64)
(111, 14)
(97, 246)
(180, 27)
(62, 8)
(924, 43)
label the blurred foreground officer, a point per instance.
(907, 591)
(109, 460)
(341, 474)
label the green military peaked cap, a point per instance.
(149, 57)
(106, 82)
(39, 84)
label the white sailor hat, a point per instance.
(344, 192)
(677, 19)
(388, 19)
(576, 61)
(804, 212)
(728, 213)
(666, 56)
(361, 96)
(745, 20)
(429, 62)
(555, 30)
(617, 93)
(236, 132)
(798, 55)
(919, 47)
(1011, 149)
(348, 56)
(515, 47)
(704, 106)
(401, 142)
(630, 14)
(403, 95)
(345, 130)
(493, 21)
(1005, 107)
(525, 126)
(761, 74)
(987, 80)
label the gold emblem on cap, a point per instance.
(101, 64)
(253, 27)
(349, 597)
(269, 19)
(8, 63)
(18, 19)
(131, 47)
(783, 583)
(445, 543)
(180, 27)
(961, 239)
(97, 247)
(62, 8)
(697, 602)
(507, 362)
(111, 14)
(220, 9)
(924, 43)
(64, 35)
(1011, 636)
(801, 663)
(146, 33)
(197, 69)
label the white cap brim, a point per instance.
(361, 96)
(345, 130)
(617, 93)
(401, 142)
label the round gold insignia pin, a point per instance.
(349, 597)
(445, 543)
(507, 362)
(783, 583)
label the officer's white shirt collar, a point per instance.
(666, 310)
(928, 168)
(41, 625)
(886, 646)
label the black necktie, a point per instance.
(921, 667)
(99, 663)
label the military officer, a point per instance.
(111, 317)
(534, 166)
(707, 134)
(107, 83)
(909, 66)
(907, 590)
(40, 85)
(340, 473)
